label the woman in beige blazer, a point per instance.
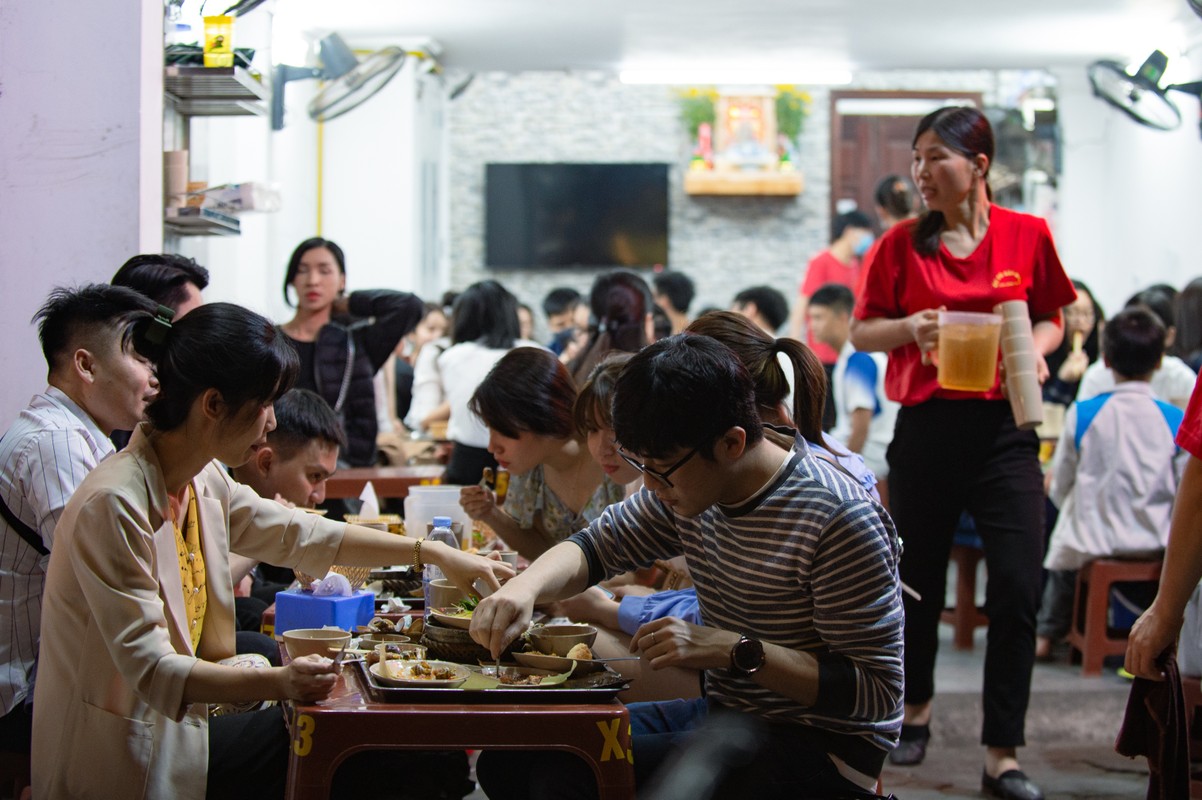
(120, 705)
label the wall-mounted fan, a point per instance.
(350, 81)
(1140, 95)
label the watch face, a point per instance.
(747, 656)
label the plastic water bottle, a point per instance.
(441, 533)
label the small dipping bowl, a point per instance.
(314, 641)
(557, 640)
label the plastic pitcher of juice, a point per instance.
(968, 350)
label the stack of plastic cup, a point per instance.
(1019, 359)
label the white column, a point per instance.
(80, 160)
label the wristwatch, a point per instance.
(747, 656)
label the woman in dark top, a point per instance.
(1083, 320)
(342, 340)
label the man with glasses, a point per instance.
(796, 576)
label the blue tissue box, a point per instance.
(296, 609)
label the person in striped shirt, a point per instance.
(796, 574)
(98, 383)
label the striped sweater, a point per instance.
(810, 563)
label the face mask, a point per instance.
(862, 246)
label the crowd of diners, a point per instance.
(154, 497)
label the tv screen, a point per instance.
(567, 215)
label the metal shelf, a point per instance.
(196, 221)
(215, 91)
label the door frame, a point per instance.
(836, 119)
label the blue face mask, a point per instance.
(862, 246)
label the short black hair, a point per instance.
(1133, 342)
(1159, 300)
(681, 393)
(850, 219)
(771, 304)
(218, 346)
(79, 317)
(163, 277)
(295, 259)
(835, 296)
(303, 416)
(561, 299)
(893, 194)
(488, 312)
(678, 288)
(529, 389)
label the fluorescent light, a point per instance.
(751, 76)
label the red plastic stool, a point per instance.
(1090, 634)
(965, 617)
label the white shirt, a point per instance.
(427, 383)
(463, 368)
(1173, 382)
(1115, 492)
(859, 383)
(52, 445)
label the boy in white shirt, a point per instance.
(1115, 472)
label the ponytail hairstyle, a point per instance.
(619, 301)
(758, 352)
(592, 411)
(216, 346)
(965, 130)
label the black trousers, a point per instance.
(467, 465)
(954, 455)
(248, 755)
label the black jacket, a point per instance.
(348, 352)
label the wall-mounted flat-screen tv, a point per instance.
(569, 215)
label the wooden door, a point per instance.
(871, 134)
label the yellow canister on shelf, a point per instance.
(219, 41)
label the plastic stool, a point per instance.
(965, 617)
(1090, 635)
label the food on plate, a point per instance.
(514, 679)
(424, 670)
(400, 650)
(580, 651)
(382, 625)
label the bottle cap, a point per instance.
(442, 522)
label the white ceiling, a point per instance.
(515, 35)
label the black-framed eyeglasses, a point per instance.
(662, 477)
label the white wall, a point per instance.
(370, 164)
(80, 159)
(1129, 210)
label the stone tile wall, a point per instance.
(723, 243)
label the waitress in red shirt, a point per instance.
(955, 450)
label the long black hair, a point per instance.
(967, 131)
(485, 312)
(217, 346)
(620, 301)
(299, 253)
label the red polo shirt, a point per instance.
(1189, 435)
(1015, 261)
(824, 268)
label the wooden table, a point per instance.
(325, 734)
(388, 481)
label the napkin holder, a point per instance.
(297, 609)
